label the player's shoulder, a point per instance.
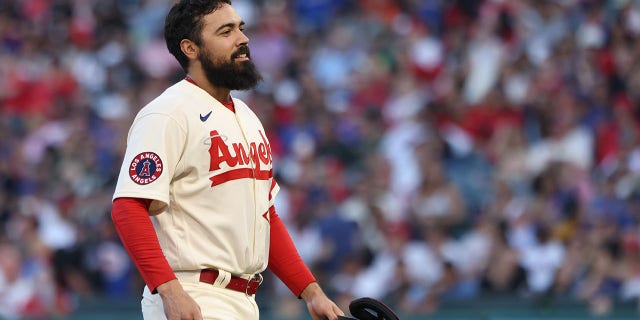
(169, 102)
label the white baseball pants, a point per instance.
(215, 301)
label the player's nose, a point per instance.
(243, 39)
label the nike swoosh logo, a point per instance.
(205, 117)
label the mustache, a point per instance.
(242, 50)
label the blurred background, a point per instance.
(457, 159)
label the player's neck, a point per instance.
(219, 93)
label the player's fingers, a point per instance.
(329, 314)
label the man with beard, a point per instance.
(199, 164)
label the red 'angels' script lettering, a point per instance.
(237, 155)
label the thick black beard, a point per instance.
(229, 74)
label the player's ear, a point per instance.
(189, 48)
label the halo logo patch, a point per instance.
(145, 168)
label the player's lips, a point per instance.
(241, 57)
(242, 54)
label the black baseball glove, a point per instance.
(370, 309)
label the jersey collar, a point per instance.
(228, 104)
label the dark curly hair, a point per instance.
(184, 21)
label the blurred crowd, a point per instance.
(428, 150)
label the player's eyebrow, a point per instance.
(230, 25)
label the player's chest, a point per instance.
(229, 141)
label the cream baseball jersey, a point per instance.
(209, 173)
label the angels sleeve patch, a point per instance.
(145, 168)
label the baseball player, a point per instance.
(199, 163)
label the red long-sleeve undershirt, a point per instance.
(131, 219)
(284, 260)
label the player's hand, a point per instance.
(319, 305)
(178, 305)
